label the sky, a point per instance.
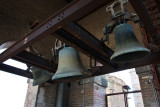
(13, 88)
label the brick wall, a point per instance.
(99, 93)
(87, 92)
(149, 92)
(31, 95)
(46, 96)
(81, 93)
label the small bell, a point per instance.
(39, 76)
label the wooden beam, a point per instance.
(74, 11)
(17, 71)
(35, 60)
(82, 34)
(153, 58)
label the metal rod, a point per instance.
(60, 95)
(125, 98)
(83, 93)
(136, 91)
(106, 97)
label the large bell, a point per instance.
(39, 76)
(69, 66)
(127, 46)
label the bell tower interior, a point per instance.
(71, 48)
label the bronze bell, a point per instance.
(127, 46)
(39, 76)
(70, 66)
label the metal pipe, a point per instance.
(125, 100)
(136, 91)
(37, 96)
(125, 97)
(106, 100)
(83, 94)
(60, 95)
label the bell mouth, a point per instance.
(69, 78)
(129, 56)
(40, 81)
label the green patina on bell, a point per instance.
(70, 66)
(39, 76)
(127, 46)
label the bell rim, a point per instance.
(65, 79)
(144, 51)
(61, 77)
(36, 82)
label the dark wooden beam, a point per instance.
(153, 58)
(74, 11)
(17, 71)
(82, 34)
(35, 60)
(146, 19)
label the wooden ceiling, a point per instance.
(16, 18)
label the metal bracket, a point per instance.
(112, 6)
(58, 45)
(122, 16)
